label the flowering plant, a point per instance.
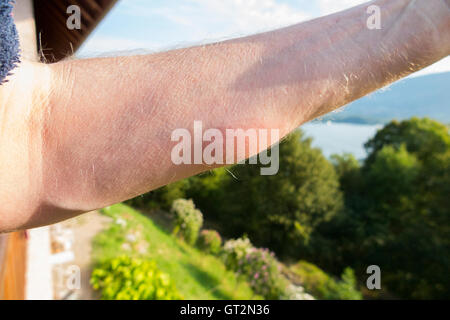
(188, 220)
(259, 266)
(234, 251)
(263, 273)
(210, 241)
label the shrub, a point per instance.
(210, 241)
(257, 265)
(188, 220)
(235, 250)
(323, 286)
(125, 278)
(346, 288)
(263, 273)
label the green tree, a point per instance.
(397, 211)
(350, 179)
(422, 137)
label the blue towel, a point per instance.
(9, 40)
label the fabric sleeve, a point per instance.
(9, 41)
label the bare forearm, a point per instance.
(106, 132)
(111, 144)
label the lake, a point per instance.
(333, 137)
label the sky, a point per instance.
(155, 25)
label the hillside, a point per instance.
(197, 275)
(425, 96)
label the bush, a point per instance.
(263, 273)
(235, 250)
(323, 286)
(257, 265)
(188, 220)
(346, 288)
(210, 241)
(125, 278)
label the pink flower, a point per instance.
(256, 275)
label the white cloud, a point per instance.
(219, 18)
(253, 15)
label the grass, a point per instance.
(196, 274)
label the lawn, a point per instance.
(196, 274)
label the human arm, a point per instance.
(98, 130)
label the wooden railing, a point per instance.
(13, 256)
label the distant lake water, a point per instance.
(338, 138)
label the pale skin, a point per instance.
(83, 134)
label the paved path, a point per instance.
(84, 228)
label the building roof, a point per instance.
(55, 40)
